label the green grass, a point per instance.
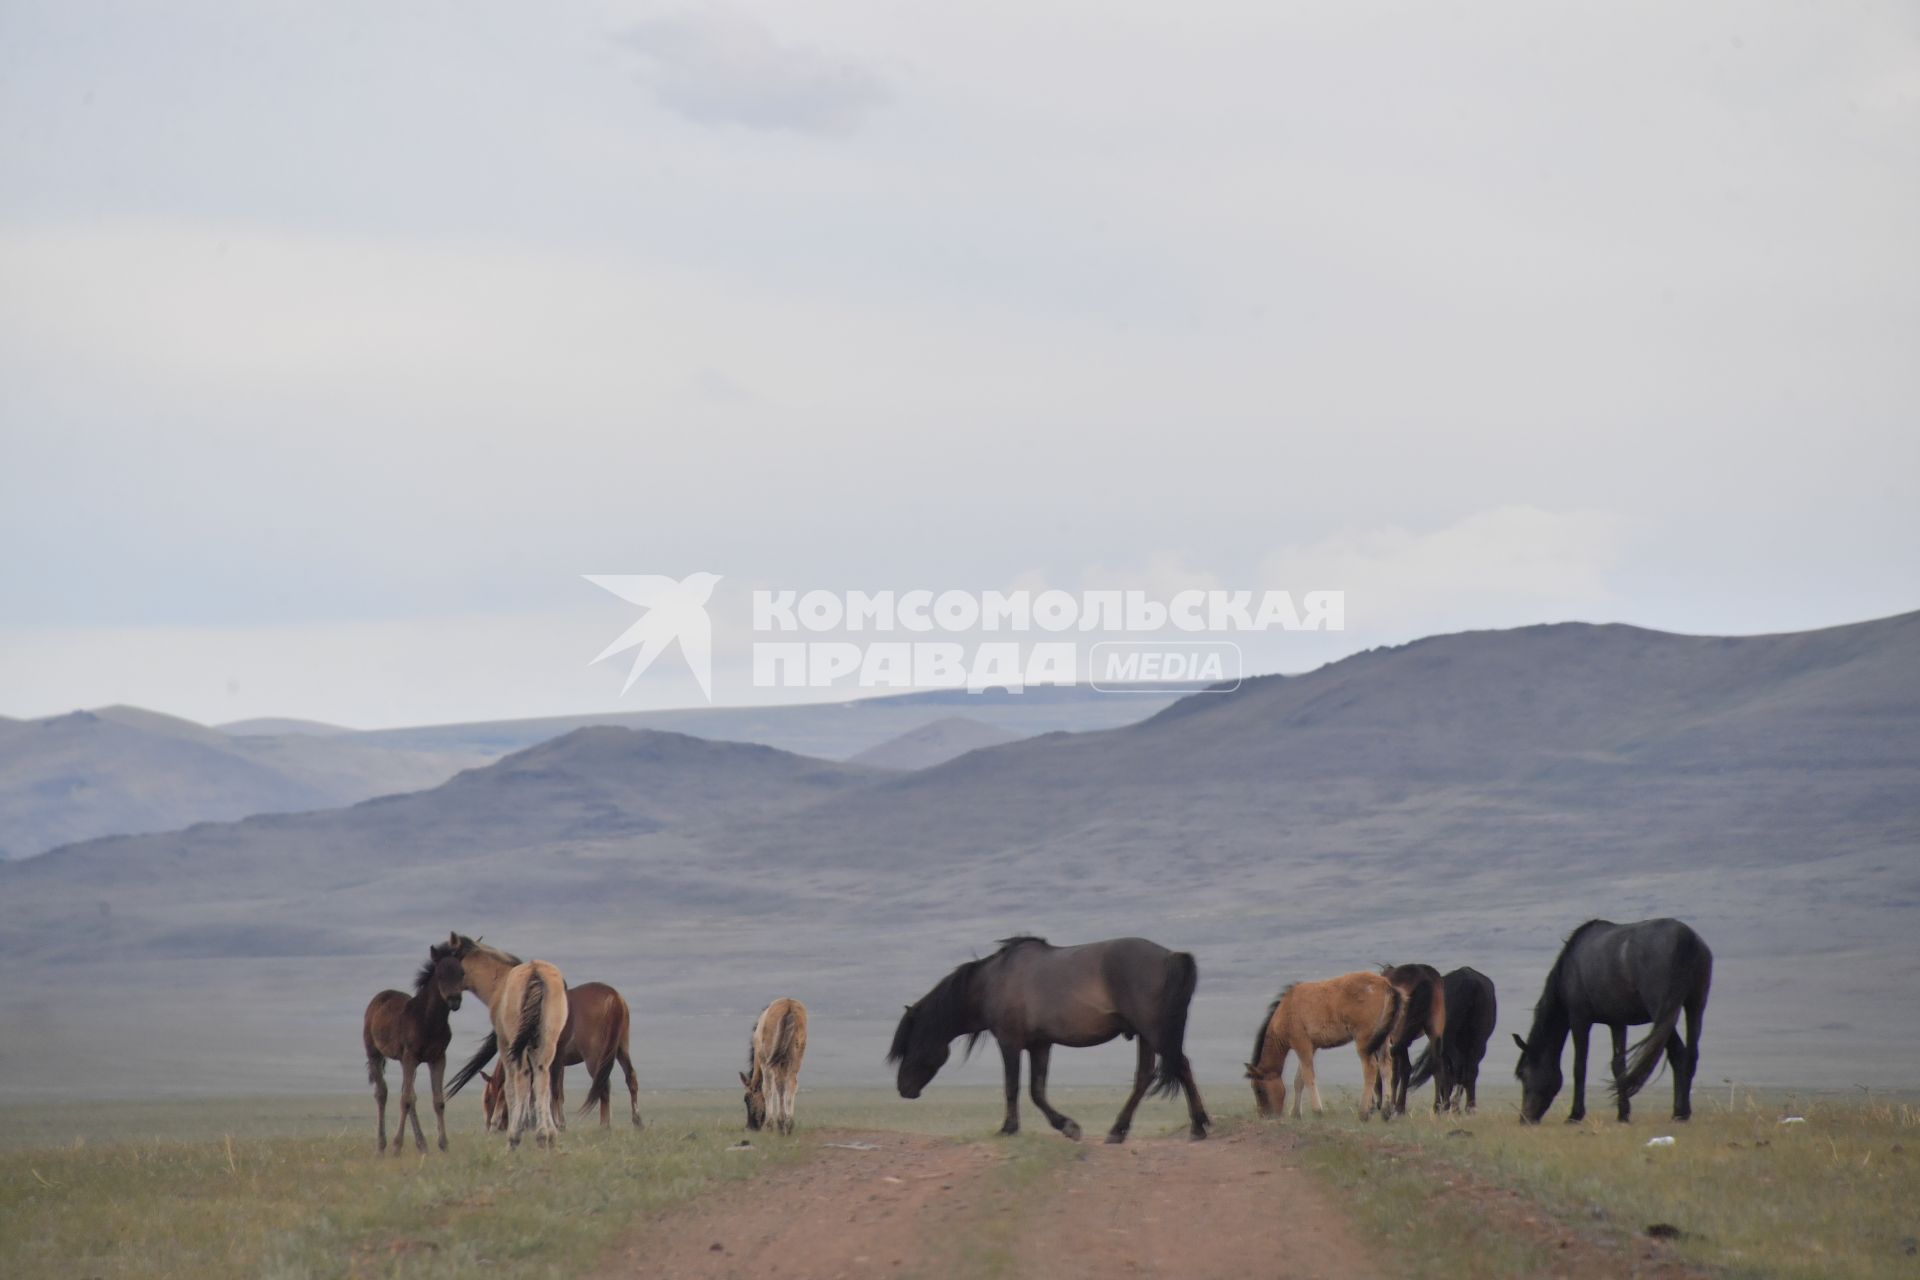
(293, 1187)
(1751, 1196)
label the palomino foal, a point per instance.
(528, 1001)
(413, 1030)
(773, 1061)
(1360, 1008)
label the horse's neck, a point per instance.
(485, 977)
(1550, 1022)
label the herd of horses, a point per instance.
(1030, 996)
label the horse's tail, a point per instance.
(1646, 1056)
(376, 1061)
(1183, 975)
(1422, 1068)
(1389, 1022)
(526, 1038)
(601, 1090)
(1415, 1011)
(481, 1058)
(781, 1055)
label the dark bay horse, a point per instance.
(1618, 975)
(1471, 1011)
(1423, 1012)
(595, 1034)
(1032, 995)
(413, 1030)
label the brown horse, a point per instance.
(1423, 1012)
(1033, 995)
(1361, 1008)
(528, 1002)
(598, 1023)
(773, 1063)
(414, 1030)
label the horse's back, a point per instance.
(780, 1035)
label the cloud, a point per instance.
(720, 68)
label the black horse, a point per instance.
(1620, 975)
(1032, 995)
(1471, 1011)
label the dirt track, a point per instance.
(918, 1206)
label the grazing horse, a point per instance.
(772, 1076)
(1423, 1012)
(413, 1030)
(596, 1034)
(1362, 1008)
(528, 1001)
(1471, 1010)
(1032, 995)
(1619, 975)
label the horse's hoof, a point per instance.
(1116, 1137)
(1196, 1135)
(1008, 1130)
(1576, 1119)
(1071, 1129)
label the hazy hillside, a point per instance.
(1464, 799)
(121, 769)
(933, 743)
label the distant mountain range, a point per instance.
(1463, 799)
(125, 771)
(934, 743)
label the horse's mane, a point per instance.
(1260, 1037)
(425, 975)
(1550, 1001)
(475, 945)
(941, 1014)
(1019, 940)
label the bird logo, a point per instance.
(675, 610)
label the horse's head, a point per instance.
(449, 975)
(1269, 1090)
(756, 1100)
(920, 1050)
(1539, 1075)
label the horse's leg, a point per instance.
(606, 1097)
(1198, 1121)
(1142, 1077)
(518, 1100)
(437, 1076)
(1683, 1079)
(378, 1070)
(1304, 1080)
(559, 1106)
(789, 1089)
(1369, 1084)
(633, 1084)
(1618, 1063)
(409, 1104)
(1579, 1112)
(1402, 1062)
(1010, 1057)
(550, 1124)
(1471, 1080)
(1038, 1057)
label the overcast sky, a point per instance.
(338, 340)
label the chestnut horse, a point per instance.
(528, 1001)
(413, 1030)
(598, 1023)
(1423, 1012)
(1361, 1008)
(1033, 995)
(772, 1076)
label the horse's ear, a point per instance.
(746, 1080)
(1521, 1043)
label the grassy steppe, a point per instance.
(1838, 1194)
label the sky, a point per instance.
(338, 342)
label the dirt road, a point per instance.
(917, 1206)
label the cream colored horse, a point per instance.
(773, 1061)
(1361, 1008)
(528, 1001)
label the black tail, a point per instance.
(1646, 1057)
(1418, 1007)
(1183, 975)
(527, 1037)
(488, 1048)
(782, 1054)
(1388, 1024)
(1422, 1068)
(376, 1062)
